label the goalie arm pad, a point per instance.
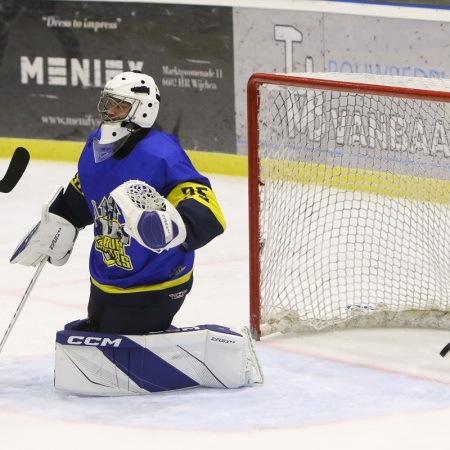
(158, 226)
(52, 238)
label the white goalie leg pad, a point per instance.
(103, 364)
(52, 238)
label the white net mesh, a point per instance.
(354, 207)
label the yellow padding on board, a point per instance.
(358, 179)
(68, 151)
(41, 149)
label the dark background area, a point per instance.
(176, 36)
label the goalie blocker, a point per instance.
(111, 365)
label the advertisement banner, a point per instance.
(56, 56)
(299, 41)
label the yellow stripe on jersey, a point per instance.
(199, 192)
(155, 287)
(75, 182)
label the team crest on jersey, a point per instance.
(111, 239)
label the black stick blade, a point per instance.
(445, 350)
(16, 168)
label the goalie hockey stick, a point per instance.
(22, 303)
(16, 168)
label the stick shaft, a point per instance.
(22, 303)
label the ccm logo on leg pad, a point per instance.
(94, 341)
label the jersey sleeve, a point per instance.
(73, 206)
(201, 213)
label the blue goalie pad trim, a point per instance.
(25, 242)
(78, 325)
(148, 370)
(151, 230)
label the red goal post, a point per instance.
(349, 201)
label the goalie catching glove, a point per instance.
(52, 238)
(149, 218)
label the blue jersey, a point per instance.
(118, 263)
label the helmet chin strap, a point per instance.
(130, 126)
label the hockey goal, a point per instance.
(349, 197)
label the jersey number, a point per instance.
(191, 191)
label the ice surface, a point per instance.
(347, 389)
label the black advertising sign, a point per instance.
(57, 55)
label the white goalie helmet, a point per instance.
(128, 101)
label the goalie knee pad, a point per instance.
(105, 364)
